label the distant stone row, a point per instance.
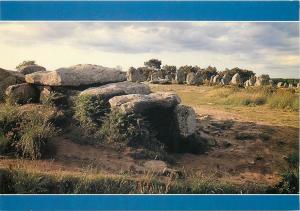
(198, 78)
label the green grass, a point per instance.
(25, 133)
(25, 182)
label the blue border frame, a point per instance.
(150, 10)
(148, 202)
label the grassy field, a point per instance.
(254, 104)
(256, 133)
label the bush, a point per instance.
(25, 63)
(289, 183)
(35, 139)
(90, 111)
(25, 133)
(119, 128)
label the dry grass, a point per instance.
(260, 105)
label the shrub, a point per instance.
(289, 183)
(4, 144)
(24, 63)
(122, 129)
(35, 139)
(25, 133)
(90, 111)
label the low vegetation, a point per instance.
(25, 133)
(26, 182)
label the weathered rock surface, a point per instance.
(190, 78)
(78, 75)
(115, 89)
(139, 103)
(298, 85)
(225, 79)
(198, 78)
(186, 120)
(134, 75)
(22, 93)
(180, 76)
(236, 79)
(285, 85)
(28, 69)
(291, 85)
(161, 81)
(262, 80)
(8, 78)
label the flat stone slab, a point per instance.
(139, 103)
(115, 89)
(78, 75)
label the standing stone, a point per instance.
(134, 75)
(252, 80)
(216, 79)
(280, 84)
(247, 83)
(22, 93)
(285, 85)
(198, 78)
(186, 120)
(8, 78)
(78, 75)
(236, 79)
(291, 85)
(225, 79)
(298, 85)
(169, 78)
(190, 78)
(262, 80)
(211, 80)
(180, 76)
(28, 69)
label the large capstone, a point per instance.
(78, 75)
(115, 89)
(22, 93)
(28, 69)
(186, 120)
(138, 103)
(8, 78)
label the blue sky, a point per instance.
(263, 47)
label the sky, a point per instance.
(263, 47)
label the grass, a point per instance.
(25, 133)
(244, 102)
(27, 182)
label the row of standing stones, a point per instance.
(34, 84)
(180, 77)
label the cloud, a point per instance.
(264, 46)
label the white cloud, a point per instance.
(262, 47)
